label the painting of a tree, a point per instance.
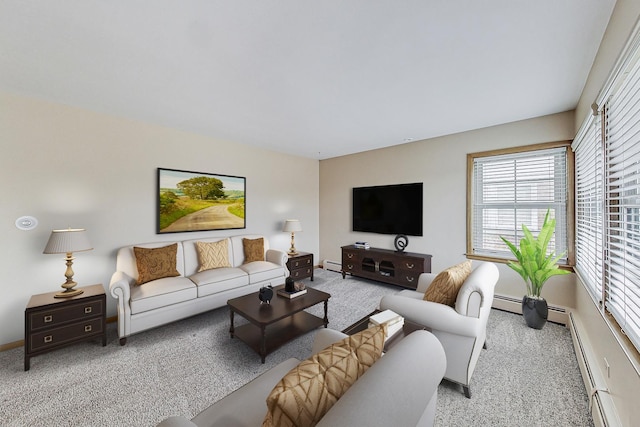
(195, 201)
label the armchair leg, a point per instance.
(123, 341)
(467, 391)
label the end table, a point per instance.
(51, 323)
(300, 265)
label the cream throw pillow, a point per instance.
(444, 288)
(309, 390)
(213, 254)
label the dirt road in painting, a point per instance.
(215, 217)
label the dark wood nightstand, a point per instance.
(51, 323)
(301, 265)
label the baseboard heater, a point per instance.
(327, 264)
(601, 404)
(557, 314)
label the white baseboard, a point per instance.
(601, 404)
(327, 264)
(557, 314)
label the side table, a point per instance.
(300, 265)
(51, 323)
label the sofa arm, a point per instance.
(176, 422)
(432, 315)
(120, 286)
(400, 389)
(277, 257)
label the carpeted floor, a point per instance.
(525, 377)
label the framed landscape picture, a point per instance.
(198, 201)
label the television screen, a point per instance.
(388, 209)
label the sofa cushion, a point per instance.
(444, 288)
(253, 250)
(310, 389)
(219, 280)
(161, 293)
(213, 254)
(156, 263)
(259, 271)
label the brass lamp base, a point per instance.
(68, 291)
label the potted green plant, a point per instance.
(535, 265)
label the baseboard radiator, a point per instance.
(327, 264)
(600, 401)
(557, 314)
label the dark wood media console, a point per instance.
(384, 265)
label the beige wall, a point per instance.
(623, 378)
(75, 168)
(439, 163)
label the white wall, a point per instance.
(441, 164)
(75, 168)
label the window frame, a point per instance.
(570, 180)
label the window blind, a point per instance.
(621, 114)
(589, 202)
(514, 189)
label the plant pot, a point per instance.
(535, 311)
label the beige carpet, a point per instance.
(525, 378)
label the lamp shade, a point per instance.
(292, 225)
(67, 241)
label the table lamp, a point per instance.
(292, 225)
(68, 241)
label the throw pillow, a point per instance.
(156, 263)
(309, 390)
(253, 250)
(213, 254)
(444, 288)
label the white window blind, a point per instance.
(509, 190)
(589, 202)
(622, 178)
(608, 197)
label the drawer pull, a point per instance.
(410, 279)
(297, 263)
(349, 255)
(87, 328)
(308, 261)
(48, 319)
(350, 266)
(88, 310)
(410, 265)
(48, 338)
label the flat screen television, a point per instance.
(388, 209)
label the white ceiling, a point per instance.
(317, 79)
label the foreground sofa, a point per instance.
(142, 307)
(399, 389)
(461, 329)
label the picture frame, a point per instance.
(199, 201)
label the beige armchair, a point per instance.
(462, 330)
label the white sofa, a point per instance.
(400, 389)
(173, 298)
(462, 329)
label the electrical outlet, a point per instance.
(606, 364)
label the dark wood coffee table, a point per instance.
(275, 324)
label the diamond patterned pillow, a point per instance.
(444, 288)
(156, 263)
(213, 254)
(253, 250)
(309, 390)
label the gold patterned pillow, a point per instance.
(253, 250)
(156, 263)
(213, 254)
(444, 288)
(309, 390)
